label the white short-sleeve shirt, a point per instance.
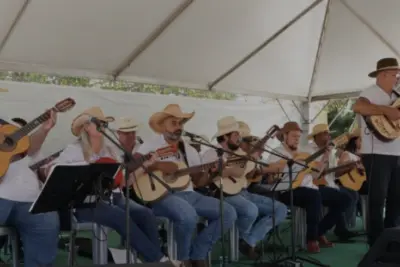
(158, 142)
(369, 143)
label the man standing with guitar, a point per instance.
(380, 158)
(18, 189)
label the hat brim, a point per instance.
(375, 72)
(156, 120)
(128, 129)
(225, 131)
(311, 135)
(80, 120)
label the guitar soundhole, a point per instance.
(9, 142)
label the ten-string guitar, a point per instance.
(15, 142)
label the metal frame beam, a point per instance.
(212, 84)
(151, 38)
(14, 24)
(353, 94)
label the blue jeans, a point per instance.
(38, 232)
(142, 216)
(255, 215)
(184, 209)
(114, 217)
(352, 208)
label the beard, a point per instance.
(232, 146)
(175, 136)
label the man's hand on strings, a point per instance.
(153, 159)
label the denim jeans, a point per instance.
(142, 216)
(352, 208)
(114, 217)
(255, 215)
(38, 232)
(184, 209)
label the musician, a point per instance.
(307, 195)
(380, 159)
(141, 215)
(185, 207)
(321, 138)
(18, 190)
(254, 211)
(89, 148)
(351, 154)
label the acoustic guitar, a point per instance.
(354, 179)
(175, 174)
(15, 142)
(299, 172)
(36, 167)
(321, 179)
(382, 127)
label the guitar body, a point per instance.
(320, 181)
(9, 149)
(149, 189)
(354, 179)
(230, 186)
(383, 128)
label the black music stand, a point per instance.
(70, 187)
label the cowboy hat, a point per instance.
(288, 127)
(84, 117)
(172, 110)
(127, 125)
(384, 64)
(246, 134)
(226, 125)
(317, 129)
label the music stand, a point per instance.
(70, 187)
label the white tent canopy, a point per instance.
(197, 43)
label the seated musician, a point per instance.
(141, 215)
(19, 188)
(254, 211)
(321, 138)
(184, 207)
(89, 148)
(351, 153)
(308, 196)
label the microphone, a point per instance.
(191, 135)
(97, 122)
(139, 139)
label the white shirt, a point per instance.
(332, 163)
(158, 142)
(20, 183)
(308, 179)
(369, 143)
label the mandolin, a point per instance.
(15, 142)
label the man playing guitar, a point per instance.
(308, 196)
(380, 159)
(254, 211)
(184, 207)
(321, 138)
(18, 190)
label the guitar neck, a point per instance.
(29, 127)
(42, 162)
(337, 168)
(195, 169)
(315, 155)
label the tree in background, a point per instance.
(112, 85)
(343, 123)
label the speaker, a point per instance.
(385, 252)
(154, 264)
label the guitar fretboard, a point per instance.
(25, 130)
(42, 162)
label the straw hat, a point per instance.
(244, 129)
(317, 129)
(355, 133)
(226, 125)
(385, 64)
(127, 125)
(288, 127)
(81, 119)
(172, 110)
(3, 90)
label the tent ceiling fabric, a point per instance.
(197, 41)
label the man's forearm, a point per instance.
(37, 140)
(365, 108)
